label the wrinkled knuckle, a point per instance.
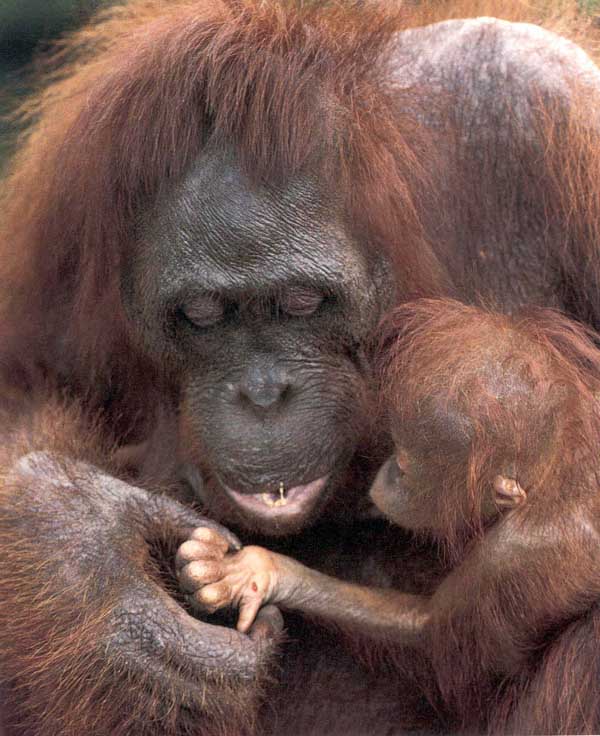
(214, 595)
(38, 468)
(188, 550)
(208, 536)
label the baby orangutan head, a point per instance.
(484, 410)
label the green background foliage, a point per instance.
(24, 22)
(24, 26)
(588, 6)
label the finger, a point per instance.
(195, 550)
(268, 625)
(215, 596)
(199, 573)
(249, 607)
(520, 494)
(210, 537)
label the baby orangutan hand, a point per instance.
(217, 578)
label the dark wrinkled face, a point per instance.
(264, 303)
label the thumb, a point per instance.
(174, 519)
(268, 625)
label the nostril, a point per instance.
(285, 391)
(264, 387)
(262, 397)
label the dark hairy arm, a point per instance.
(91, 640)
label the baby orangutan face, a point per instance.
(402, 493)
(408, 498)
(424, 484)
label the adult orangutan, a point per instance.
(496, 425)
(214, 205)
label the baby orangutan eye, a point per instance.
(402, 460)
(204, 311)
(397, 467)
(300, 302)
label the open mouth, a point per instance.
(281, 504)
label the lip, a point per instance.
(298, 500)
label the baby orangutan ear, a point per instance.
(508, 494)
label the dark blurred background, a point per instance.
(24, 26)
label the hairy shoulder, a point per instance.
(478, 58)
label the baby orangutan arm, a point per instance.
(255, 576)
(520, 581)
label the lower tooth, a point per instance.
(266, 497)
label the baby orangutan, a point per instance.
(254, 576)
(489, 414)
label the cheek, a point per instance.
(398, 502)
(389, 494)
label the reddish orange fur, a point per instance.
(528, 385)
(144, 88)
(116, 125)
(69, 679)
(440, 352)
(562, 16)
(138, 93)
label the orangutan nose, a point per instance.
(264, 385)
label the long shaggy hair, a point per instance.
(526, 390)
(135, 97)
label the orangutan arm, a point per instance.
(520, 581)
(255, 576)
(92, 641)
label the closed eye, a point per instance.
(300, 301)
(205, 310)
(394, 472)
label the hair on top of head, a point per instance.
(436, 345)
(293, 89)
(526, 387)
